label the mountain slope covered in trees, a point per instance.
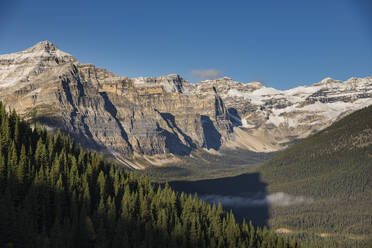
(333, 169)
(53, 194)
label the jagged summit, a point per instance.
(37, 52)
(43, 46)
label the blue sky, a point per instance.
(282, 43)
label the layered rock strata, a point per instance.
(125, 116)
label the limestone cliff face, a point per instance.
(125, 116)
(116, 115)
(267, 119)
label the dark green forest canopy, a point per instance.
(334, 163)
(334, 169)
(53, 194)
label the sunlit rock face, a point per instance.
(267, 119)
(109, 113)
(124, 116)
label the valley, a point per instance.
(202, 164)
(318, 190)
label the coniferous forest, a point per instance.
(54, 194)
(333, 168)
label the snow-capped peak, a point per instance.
(38, 51)
(22, 66)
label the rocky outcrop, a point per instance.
(125, 116)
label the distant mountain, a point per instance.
(333, 169)
(124, 116)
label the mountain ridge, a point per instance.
(160, 115)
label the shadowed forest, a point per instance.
(243, 186)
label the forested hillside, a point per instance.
(53, 194)
(333, 169)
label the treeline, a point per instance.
(53, 194)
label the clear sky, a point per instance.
(282, 43)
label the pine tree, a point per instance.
(22, 167)
(101, 181)
(3, 173)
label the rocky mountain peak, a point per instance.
(45, 45)
(23, 67)
(44, 51)
(359, 81)
(327, 81)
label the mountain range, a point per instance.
(125, 117)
